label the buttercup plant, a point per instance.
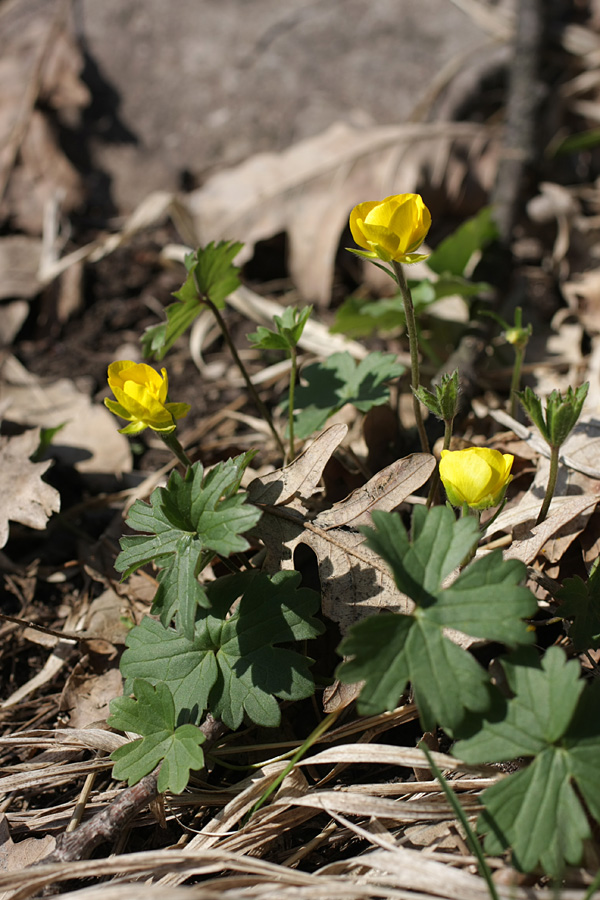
(289, 327)
(443, 403)
(555, 426)
(220, 649)
(392, 230)
(517, 335)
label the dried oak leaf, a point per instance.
(26, 498)
(355, 581)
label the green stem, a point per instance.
(516, 380)
(491, 521)
(253, 392)
(433, 498)
(471, 838)
(321, 728)
(176, 449)
(551, 485)
(413, 344)
(293, 375)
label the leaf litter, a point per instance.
(347, 828)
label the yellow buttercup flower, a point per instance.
(391, 229)
(476, 476)
(141, 398)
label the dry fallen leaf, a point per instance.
(19, 262)
(87, 695)
(25, 853)
(563, 513)
(40, 60)
(25, 497)
(355, 581)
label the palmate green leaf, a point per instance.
(152, 715)
(184, 525)
(231, 666)
(339, 380)
(554, 717)
(212, 275)
(580, 602)
(536, 812)
(390, 650)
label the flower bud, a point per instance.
(476, 476)
(391, 229)
(561, 412)
(141, 395)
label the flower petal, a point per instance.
(477, 476)
(357, 217)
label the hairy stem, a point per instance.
(551, 485)
(413, 343)
(176, 449)
(433, 498)
(516, 380)
(253, 392)
(293, 376)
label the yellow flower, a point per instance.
(141, 397)
(391, 229)
(476, 476)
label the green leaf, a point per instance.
(289, 325)
(339, 380)
(536, 812)
(231, 665)
(359, 317)
(453, 254)
(580, 602)
(552, 716)
(391, 649)
(152, 715)
(575, 143)
(216, 276)
(443, 400)
(183, 526)
(211, 276)
(46, 437)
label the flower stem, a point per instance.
(516, 380)
(253, 392)
(293, 375)
(175, 447)
(551, 485)
(433, 498)
(413, 343)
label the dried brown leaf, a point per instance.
(25, 853)
(354, 579)
(302, 476)
(19, 261)
(25, 497)
(87, 695)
